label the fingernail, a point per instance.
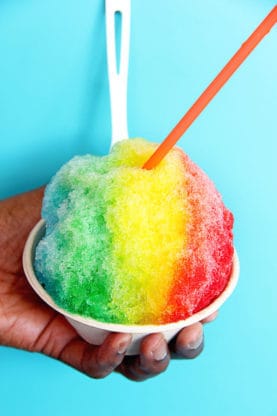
(123, 346)
(195, 344)
(160, 352)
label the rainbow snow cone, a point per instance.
(125, 245)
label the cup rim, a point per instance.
(28, 256)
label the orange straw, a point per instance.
(204, 99)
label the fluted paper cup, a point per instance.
(94, 331)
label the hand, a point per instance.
(27, 323)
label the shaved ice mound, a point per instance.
(133, 246)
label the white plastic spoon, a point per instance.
(118, 71)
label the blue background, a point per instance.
(54, 103)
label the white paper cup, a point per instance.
(94, 331)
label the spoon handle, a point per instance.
(118, 71)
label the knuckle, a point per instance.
(94, 367)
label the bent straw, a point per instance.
(209, 93)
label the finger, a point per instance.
(189, 343)
(153, 359)
(210, 318)
(96, 361)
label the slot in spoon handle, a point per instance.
(118, 71)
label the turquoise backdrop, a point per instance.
(54, 103)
